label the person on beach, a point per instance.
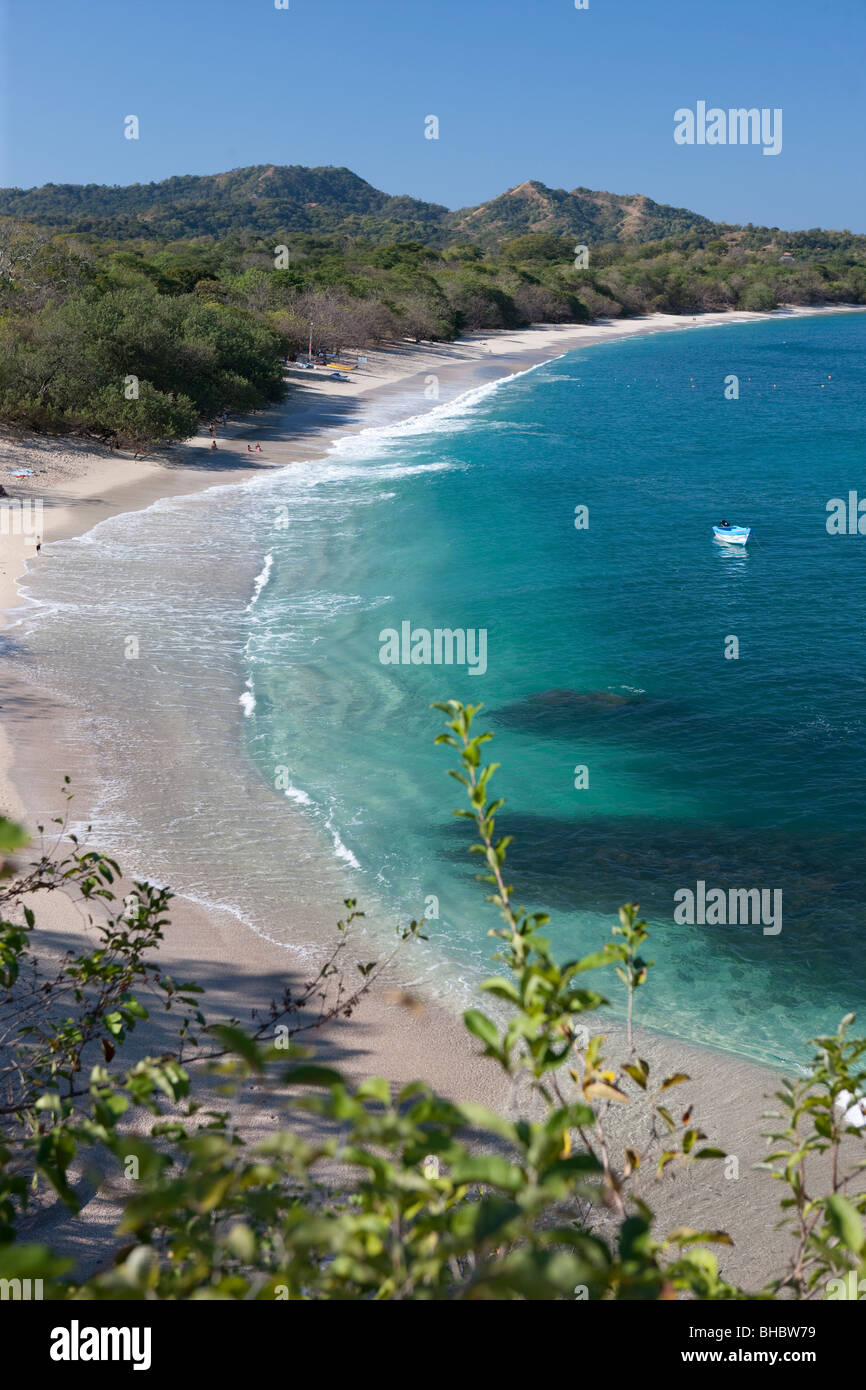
(225, 418)
(213, 431)
(258, 448)
(249, 448)
(213, 443)
(38, 545)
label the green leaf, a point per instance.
(482, 1027)
(492, 1169)
(593, 961)
(307, 1074)
(481, 1118)
(375, 1088)
(504, 989)
(12, 836)
(686, 1235)
(241, 1241)
(234, 1040)
(845, 1222)
(638, 1071)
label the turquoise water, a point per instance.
(742, 773)
(256, 752)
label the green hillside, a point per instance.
(267, 200)
(264, 199)
(532, 207)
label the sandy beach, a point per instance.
(78, 485)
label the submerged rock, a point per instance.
(605, 698)
(564, 710)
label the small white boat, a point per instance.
(732, 535)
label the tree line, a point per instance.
(135, 341)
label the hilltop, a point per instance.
(531, 207)
(267, 199)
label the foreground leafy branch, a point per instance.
(360, 1193)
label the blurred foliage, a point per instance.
(385, 1195)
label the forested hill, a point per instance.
(262, 200)
(532, 207)
(268, 199)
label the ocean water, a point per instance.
(258, 753)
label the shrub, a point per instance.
(449, 1200)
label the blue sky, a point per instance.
(522, 89)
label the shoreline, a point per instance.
(82, 483)
(82, 486)
(69, 470)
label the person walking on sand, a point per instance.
(38, 545)
(225, 418)
(213, 431)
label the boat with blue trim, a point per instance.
(731, 535)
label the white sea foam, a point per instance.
(261, 579)
(440, 419)
(301, 797)
(248, 700)
(341, 850)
